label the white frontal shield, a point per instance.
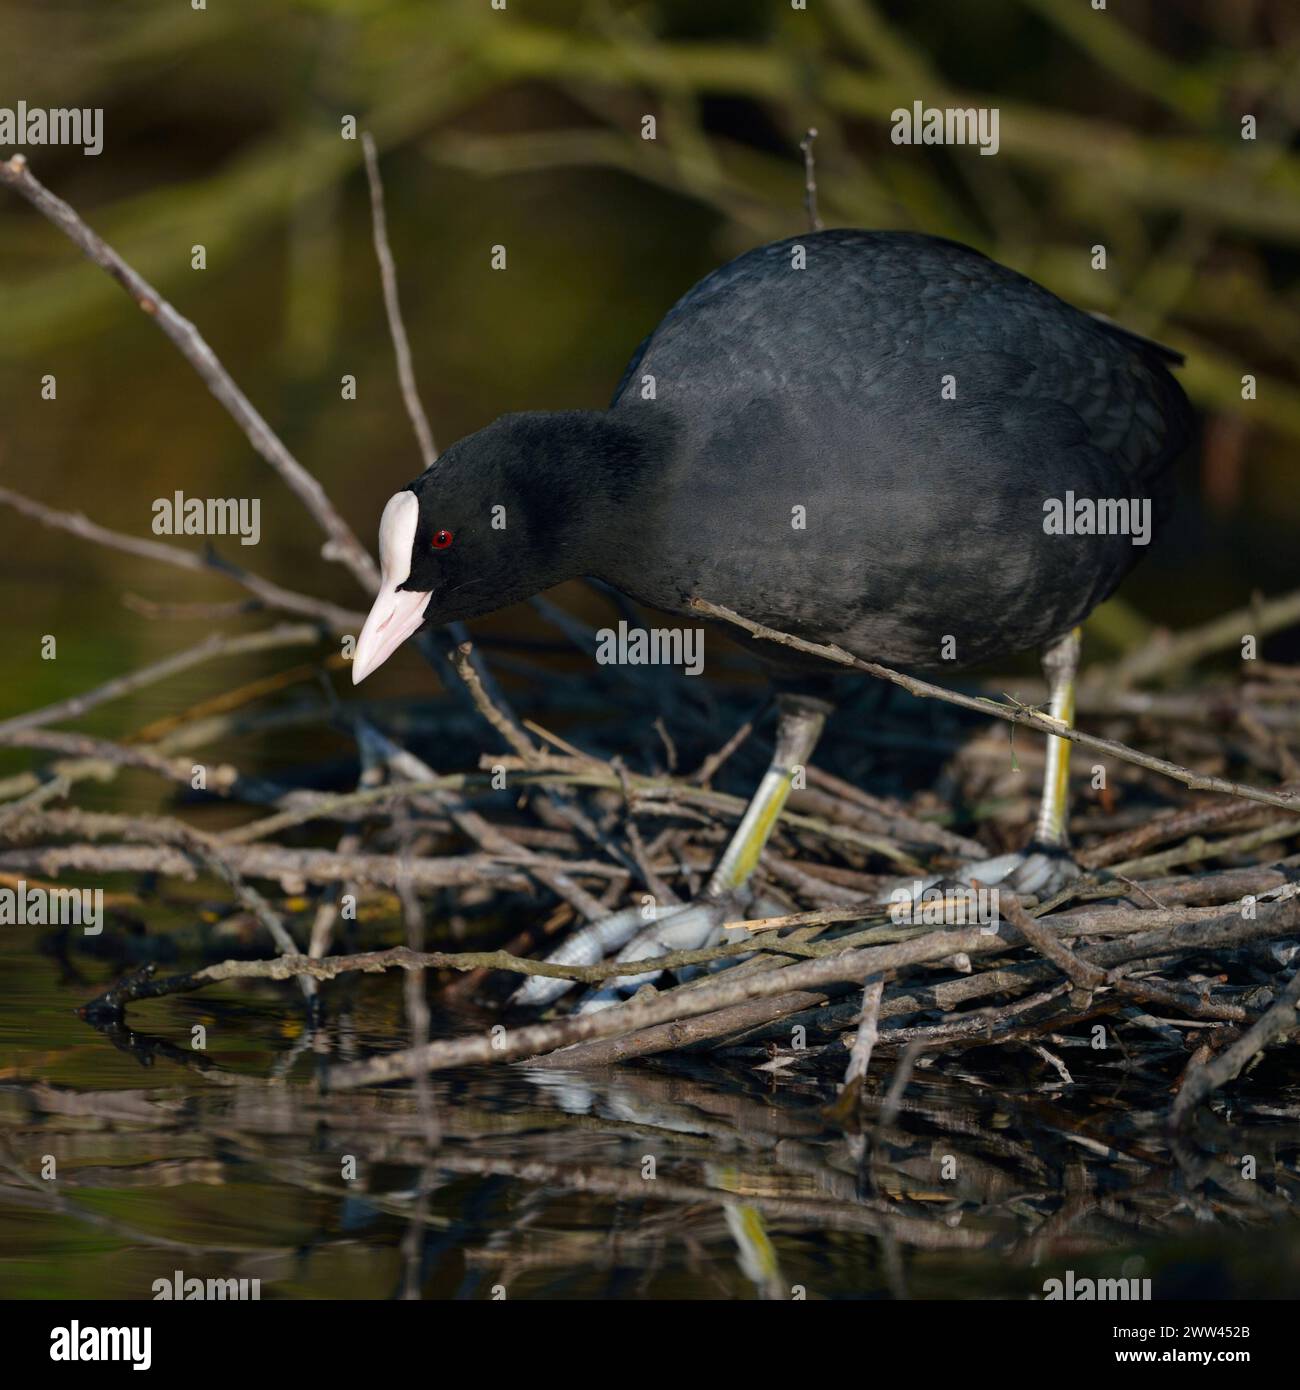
(396, 613)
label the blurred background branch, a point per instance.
(524, 128)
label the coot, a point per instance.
(881, 440)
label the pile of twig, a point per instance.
(1182, 928)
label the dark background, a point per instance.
(523, 127)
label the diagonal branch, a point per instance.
(205, 562)
(215, 645)
(1013, 714)
(343, 545)
(1282, 1018)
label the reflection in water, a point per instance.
(685, 1181)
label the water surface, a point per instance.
(682, 1180)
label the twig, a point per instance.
(218, 644)
(312, 967)
(53, 790)
(822, 917)
(641, 1012)
(252, 901)
(343, 545)
(586, 771)
(810, 182)
(208, 562)
(557, 805)
(898, 1083)
(860, 1055)
(708, 769)
(486, 834)
(1167, 657)
(294, 866)
(1012, 714)
(513, 735)
(191, 612)
(249, 897)
(894, 821)
(1279, 1020)
(1175, 826)
(1193, 1006)
(681, 1032)
(387, 797)
(392, 305)
(1225, 930)
(1196, 850)
(1049, 945)
(221, 778)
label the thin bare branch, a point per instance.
(393, 307)
(343, 545)
(1013, 714)
(209, 562)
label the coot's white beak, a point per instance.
(396, 613)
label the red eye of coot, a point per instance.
(441, 539)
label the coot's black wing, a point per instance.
(926, 405)
(756, 325)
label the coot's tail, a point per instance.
(1160, 350)
(1171, 428)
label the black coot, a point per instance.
(881, 440)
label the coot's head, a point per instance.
(440, 557)
(502, 515)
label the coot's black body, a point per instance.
(783, 444)
(821, 388)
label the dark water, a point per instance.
(692, 1181)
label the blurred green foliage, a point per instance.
(522, 127)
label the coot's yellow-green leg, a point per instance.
(800, 723)
(757, 1255)
(693, 925)
(1060, 666)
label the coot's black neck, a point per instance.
(585, 473)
